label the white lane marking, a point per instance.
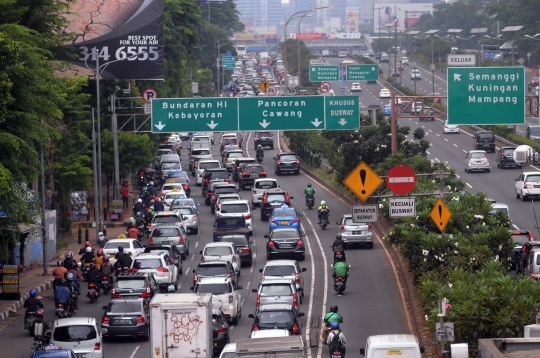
(135, 352)
(428, 153)
(186, 272)
(437, 160)
(251, 269)
(430, 130)
(515, 227)
(446, 139)
(196, 244)
(192, 257)
(457, 176)
(464, 151)
(232, 328)
(469, 185)
(248, 285)
(455, 145)
(438, 135)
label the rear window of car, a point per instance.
(485, 135)
(200, 151)
(217, 251)
(165, 219)
(282, 213)
(171, 187)
(276, 290)
(533, 178)
(276, 317)
(534, 130)
(185, 211)
(234, 208)
(287, 157)
(253, 168)
(509, 151)
(209, 165)
(275, 197)
(132, 283)
(478, 155)
(170, 166)
(285, 234)
(521, 238)
(214, 288)
(225, 190)
(284, 270)
(263, 134)
(165, 232)
(142, 264)
(217, 175)
(236, 240)
(235, 155)
(173, 196)
(212, 270)
(269, 184)
(74, 333)
(122, 306)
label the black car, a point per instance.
(285, 242)
(273, 198)
(239, 165)
(242, 245)
(171, 250)
(220, 331)
(126, 317)
(135, 284)
(525, 253)
(277, 315)
(250, 172)
(484, 140)
(520, 238)
(264, 138)
(213, 268)
(505, 157)
(212, 175)
(221, 189)
(286, 163)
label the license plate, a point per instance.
(478, 162)
(122, 321)
(254, 176)
(284, 222)
(80, 355)
(285, 246)
(357, 232)
(336, 356)
(537, 186)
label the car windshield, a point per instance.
(253, 168)
(287, 157)
(171, 187)
(349, 221)
(275, 197)
(236, 240)
(533, 178)
(171, 166)
(207, 165)
(218, 175)
(276, 290)
(485, 135)
(226, 190)
(165, 232)
(276, 317)
(478, 155)
(74, 333)
(283, 270)
(201, 152)
(217, 251)
(267, 184)
(283, 213)
(177, 175)
(185, 211)
(184, 202)
(235, 155)
(173, 196)
(124, 306)
(234, 208)
(143, 264)
(534, 130)
(285, 234)
(521, 238)
(165, 220)
(134, 284)
(509, 151)
(495, 211)
(213, 288)
(212, 270)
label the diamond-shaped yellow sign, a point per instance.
(440, 215)
(264, 86)
(363, 181)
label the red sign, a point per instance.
(325, 87)
(401, 179)
(148, 94)
(314, 36)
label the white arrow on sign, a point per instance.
(342, 121)
(373, 68)
(316, 122)
(457, 77)
(264, 123)
(212, 125)
(160, 126)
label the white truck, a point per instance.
(403, 345)
(278, 347)
(181, 325)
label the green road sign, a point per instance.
(228, 62)
(323, 73)
(194, 114)
(486, 95)
(362, 72)
(256, 113)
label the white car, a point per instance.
(171, 196)
(231, 156)
(228, 135)
(528, 185)
(266, 333)
(225, 295)
(229, 351)
(160, 265)
(415, 75)
(205, 164)
(80, 334)
(236, 208)
(261, 186)
(385, 93)
(131, 246)
(450, 128)
(221, 251)
(404, 60)
(223, 198)
(172, 188)
(355, 87)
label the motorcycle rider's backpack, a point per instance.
(105, 270)
(336, 344)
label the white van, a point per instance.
(80, 334)
(402, 345)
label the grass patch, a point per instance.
(329, 179)
(61, 243)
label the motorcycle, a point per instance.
(105, 284)
(339, 256)
(142, 181)
(259, 159)
(41, 339)
(30, 320)
(339, 285)
(324, 219)
(141, 229)
(310, 201)
(85, 268)
(336, 353)
(93, 292)
(60, 311)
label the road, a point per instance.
(371, 305)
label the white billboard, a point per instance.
(406, 14)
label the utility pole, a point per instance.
(94, 160)
(44, 229)
(100, 184)
(114, 129)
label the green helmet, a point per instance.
(259, 146)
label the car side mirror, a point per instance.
(301, 314)
(198, 212)
(362, 351)
(290, 197)
(145, 246)
(254, 290)
(193, 271)
(198, 204)
(251, 316)
(104, 307)
(200, 252)
(240, 287)
(300, 289)
(303, 234)
(304, 269)
(239, 190)
(465, 157)
(273, 158)
(337, 222)
(261, 270)
(252, 242)
(516, 179)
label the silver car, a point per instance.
(477, 160)
(289, 269)
(355, 233)
(277, 290)
(171, 234)
(190, 217)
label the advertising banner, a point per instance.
(127, 36)
(244, 37)
(313, 36)
(406, 14)
(351, 19)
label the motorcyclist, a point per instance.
(341, 340)
(148, 216)
(107, 269)
(59, 274)
(120, 252)
(83, 249)
(138, 207)
(133, 232)
(98, 260)
(332, 316)
(63, 295)
(88, 256)
(338, 245)
(32, 304)
(74, 289)
(310, 192)
(321, 207)
(76, 276)
(158, 205)
(341, 268)
(130, 221)
(124, 261)
(68, 261)
(102, 240)
(260, 151)
(150, 188)
(139, 220)
(40, 318)
(93, 277)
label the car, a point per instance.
(404, 60)
(285, 269)
(285, 242)
(273, 198)
(190, 217)
(227, 148)
(158, 263)
(171, 234)
(196, 153)
(213, 176)
(385, 93)
(270, 333)
(249, 173)
(242, 246)
(264, 138)
(227, 135)
(222, 198)
(222, 251)
(172, 196)
(172, 187)
(286, 163)
(533, 132)
(231, 156)
(484, 140)
(277, 315)
(203, 165)
(388, 109)
(179, 203)
(221, 188)
(384, 58)
(214, 268)
(355, 87)
(167, 218)
(196, 162)
(416, 75)
(239, 165)
(225, 292)
(221, 333)
(277, 290)
(520, 238)
(477, 160)
(228, 141)
(525, 254)
(170, 249)
(179, 174)
(186, 183)
(236, 208)
(342, 54)
(396, 72)
(528, 185)
(284, 217)
(450, 128)
(131, 246)
(355, 233)
(167, 167)
(184, 135)
(505, 157)
(126, 317)
(56, 353)
(261, 186)
(80, 334)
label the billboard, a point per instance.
(126, 35)
(406, 14)
(351, 19)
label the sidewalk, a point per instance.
(34, 278)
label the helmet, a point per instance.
(259, 146)
(88, 249)
(335, 325)
(309, 185)
(105, 258)
(132, 219)
(87, 243)
(100, 252)
(149, 211)
(323, 203)
(40, 312)
(334, 309)
(100, 234)
(132, 225)
(33, 293)
(66, 255)
(69, 276)
(120, 248)
(139, 200)
(156, 199)
(71, 254)
(138, 213)
(151, 183)
(121, 236)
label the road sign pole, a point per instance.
(393, 108)
(342, 76)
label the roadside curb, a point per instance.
(18, 304)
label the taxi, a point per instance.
(131, 246)
(284, 217)
(173, 195)
(385, 93)
(172, 188)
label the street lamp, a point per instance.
(414, 66)
(512, 29)
(217, 64)
(476, 32)
(379, 22)
(306, 14)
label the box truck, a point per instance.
(282, 347)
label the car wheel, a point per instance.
(235, 320)
(263, 218)
(212, 210)
(523, 197)
(499, 165)
(267, 256)
(297, 172)
(183, 256)
(196, 231)
(488, 170)
(146, 335)
(187, 250)
(370, 246)
(465, 169)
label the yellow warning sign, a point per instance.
(363, 181)
(264, 86)
(440, 214)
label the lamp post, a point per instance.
(476, 32)
(534, 38)
(512, 29)
(432, 67)
(306, 14)
(414, 66)
(379, 27)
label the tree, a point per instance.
(222, 14)
(204, 78)
(292, 60)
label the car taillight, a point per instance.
(147, 294)
(237, 168)
(296, 278)
(295, 220)
(369, 227)
(295, 299)
(227, 180)
(247, 217)
(255, 327)
(230, 298)
(299, 243)
(524, 185)
(255, 192)
(202, 258)
(245, 174)
(342, 227)
(172, 259)
(273, 221)
(150, 240)
(295, 329)
(296, 162)
(234, 258)
(133, 270)
(162, 269)
(246, 249)
(271, 244)
(114, 294)
(221, 330)
(105, 320)
(279, 162)
(270, 137)
(262, 173)
(97, 346)
(141, 319)
(181, 240)
(258, 301)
